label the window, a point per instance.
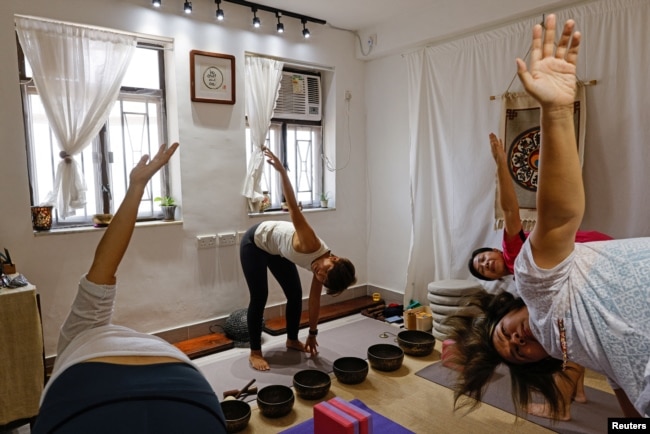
(299, 146)
(295, 136)
(136, 126)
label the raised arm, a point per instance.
(507, 197)
(112, 246)
(551, 80)
(308, 240)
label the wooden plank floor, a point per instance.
(278, 326)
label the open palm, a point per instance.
(551, 77)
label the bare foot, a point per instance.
(579, 390)
(295, 345)
(580, 395)
(257, 361)
(542, 410)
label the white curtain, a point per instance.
(77, 72)
(451, 114)
(262, 85)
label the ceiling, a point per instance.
(349, 14)
(391, 26)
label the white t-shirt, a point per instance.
(602, 292)
(88, 333)
(276, 238)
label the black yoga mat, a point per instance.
(589, 417)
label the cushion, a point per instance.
(454, 287)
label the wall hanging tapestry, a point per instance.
(520, 132)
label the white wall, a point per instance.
(165, 282)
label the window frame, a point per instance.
(99, 147)
(318, 164)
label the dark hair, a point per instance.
(471, 327)
(340, 277)
(473, 270)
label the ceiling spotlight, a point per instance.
(156, 3)
(187, 7)
(219, 10)
(305, 30)
(256, 21)
(280, 26)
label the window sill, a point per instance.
(279, 212)
(84, 229)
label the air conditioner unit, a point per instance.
(299, 97)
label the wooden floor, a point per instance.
(417, 404)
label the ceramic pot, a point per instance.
(169, 213)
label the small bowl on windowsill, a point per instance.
(102, 220)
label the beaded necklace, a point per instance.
(563, 346)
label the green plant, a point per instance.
(325, 195)
(165, 200)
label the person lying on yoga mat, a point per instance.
(487, 263)
(584, 303)
(280, 246)
(112, 379)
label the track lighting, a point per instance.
(256, 21)
(254, 7)
(219, 10)
(280, 26)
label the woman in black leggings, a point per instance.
(282, 246)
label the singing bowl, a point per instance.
(311, 384)
(385, 357)
(350, 370)
(275, 400)
(237, 414)
(416, 342)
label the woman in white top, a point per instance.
(583, 303)
(109, 378)
(281, 246)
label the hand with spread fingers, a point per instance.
(551, 76)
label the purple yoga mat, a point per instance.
(380, 424)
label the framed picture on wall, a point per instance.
(212, 77)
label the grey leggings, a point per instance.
(254, 262)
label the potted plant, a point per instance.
(324, 199)
(168, 206)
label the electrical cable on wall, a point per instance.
(371, 45)
(328, 164)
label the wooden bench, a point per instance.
(205, 345)
(278, 326)
(216, 342)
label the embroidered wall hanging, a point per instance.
(520, 132)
